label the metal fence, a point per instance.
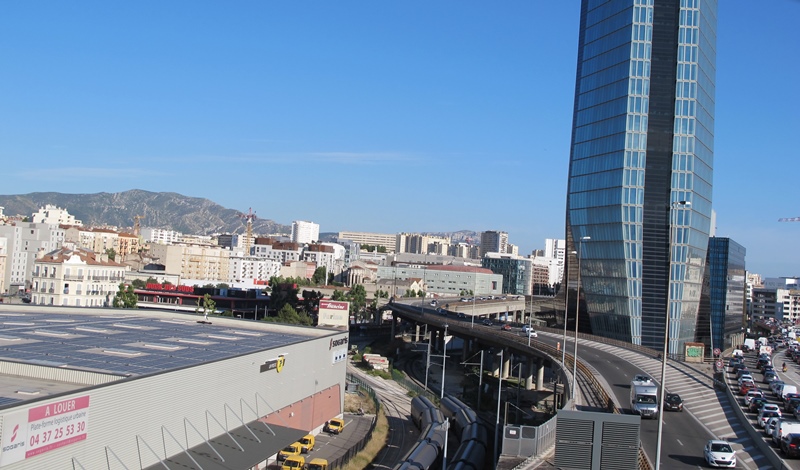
(413, 387)
(529, 441)
(341, 461)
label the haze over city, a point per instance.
(367, 116)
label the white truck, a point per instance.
(749, 344)
(644, 397)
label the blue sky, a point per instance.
(365, 115)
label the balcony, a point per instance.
(73, 277)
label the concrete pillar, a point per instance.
(394, 321)
(493, 361)
(417, 333)
(529, 373)
(506, 363)
(540, 374)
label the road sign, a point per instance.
(719, 364)
(717, 352)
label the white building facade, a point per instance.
(50, 214)
(24, 240)
(75, 278)
(304, 232)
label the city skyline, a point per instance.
(380, 118)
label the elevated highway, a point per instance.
(684, 435)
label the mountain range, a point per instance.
(190, 215)
(171, 211)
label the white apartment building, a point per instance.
(327, 255)
(449, 280)
(387, 240)
(789, 304)
(75, 277)
(50, 214)
(23, 241)
(160, 235)
(246, 270)
(282, 252)
(304, 232)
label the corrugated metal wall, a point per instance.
(118, 412)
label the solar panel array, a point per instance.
(126, 344)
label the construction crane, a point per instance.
(249, 218)
(137, 227)
(789, 219)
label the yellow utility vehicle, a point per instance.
(294, 462)
(317, 464)
(289, 451)
(334, 426)
(306, 443)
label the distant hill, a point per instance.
(190, 215)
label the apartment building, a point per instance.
(75, 277)
(386, 240)
(304, 232)
(50, 214)
(23, 241)
(196, 262)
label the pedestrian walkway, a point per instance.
(694, 383)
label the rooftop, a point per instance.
(122, 343)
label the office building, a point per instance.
(724, 299)
(304, 232)
(640, 171)
(494, 242)
(517, 271)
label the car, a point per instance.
(673, 402)
(461, 315)
(789, 396)
(506, 327)
(434, 303)
(769, 377)
(771, 424)
(533, 334)
(775, 385)
(764, 416)
(745, 378)
(487, 322)
(719, 453)
(791, 405)
(790, 445)
(752, 394)
(746, 386)
(756, 404)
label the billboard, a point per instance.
(334, 313)
(43, 428)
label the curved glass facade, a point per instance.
(641, 165)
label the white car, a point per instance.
(771, 424)
(533, 334)
(765, 415)
(752, 394)
(745, 378)
(719, 454)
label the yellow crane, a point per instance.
(137, 226)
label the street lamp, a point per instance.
(577, 311)
(444, 359)
(566, 306)
(662, 387)
(497, 421)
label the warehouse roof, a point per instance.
(121, 343)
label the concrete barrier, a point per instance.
(757, 437)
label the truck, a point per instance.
(644, 397)
(318, 464)
(765, 350)
(749, 344)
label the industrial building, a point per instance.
(108, 389)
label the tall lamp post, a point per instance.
(662, 387)
(566, 307)
(577, 311)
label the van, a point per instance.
(318, 464)
(306, 443)
(784, 389)
(295, 462)
(738, 353)
(289, 451)
(783, 428)
(749, 344)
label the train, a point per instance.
(463, 422)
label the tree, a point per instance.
(138, 284)
(358, 300)
(112, 253)
(319, 276)
(223, 285)
(125, 297)
(339, 296)
(205, 305)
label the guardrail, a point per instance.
(552, 352)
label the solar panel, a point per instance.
(126, 344)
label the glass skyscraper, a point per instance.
(641, 160)
(722, 306)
